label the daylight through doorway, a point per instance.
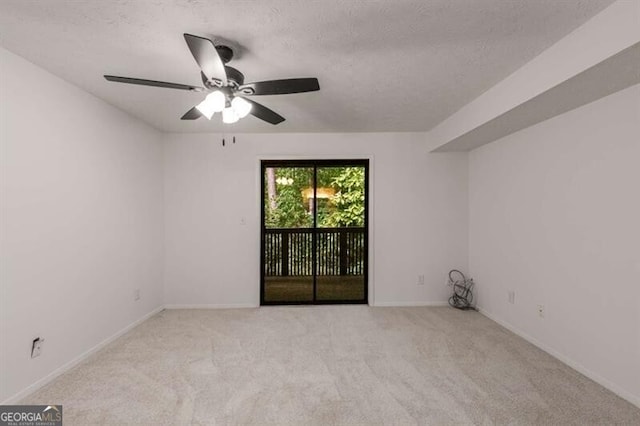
(314, 238)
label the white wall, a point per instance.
(80, 221)
(418, 214)
(555, 217)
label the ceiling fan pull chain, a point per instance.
(234, 140)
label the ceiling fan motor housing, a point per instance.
(234, 75)
(234, 78)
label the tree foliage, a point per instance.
(290, 211)
(348, 201)
(293, 210)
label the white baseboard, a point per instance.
(214, 306)
(634, 399)
(249, 305)
(77, 360)
(399, 304)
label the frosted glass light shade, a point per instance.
(217, 100)
(229, 116)
(205, 109)
(241, 106)
(214, 102)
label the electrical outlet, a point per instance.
(420, 279)
(36, 347)
(136, 294)
(512, 297)
(541, 311)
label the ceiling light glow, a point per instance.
(214, 102)
(241, 107)
(229, 115)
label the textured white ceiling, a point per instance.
(395, 65)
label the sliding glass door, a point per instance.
(314, 231)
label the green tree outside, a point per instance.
(343, 206)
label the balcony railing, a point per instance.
(289, 251)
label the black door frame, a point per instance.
(264, 164)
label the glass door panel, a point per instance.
(341, 234)
(288, 234)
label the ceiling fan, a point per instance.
(227, 92)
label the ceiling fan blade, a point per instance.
(206, 55)
(263, 113)
(280, 87)
(153, 83)
(192, 114)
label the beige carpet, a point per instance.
(328, 365)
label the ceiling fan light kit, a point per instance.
(229, 116)
(226, 86)
(241, 107)
(214, 102)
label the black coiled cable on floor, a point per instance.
(462, 297)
